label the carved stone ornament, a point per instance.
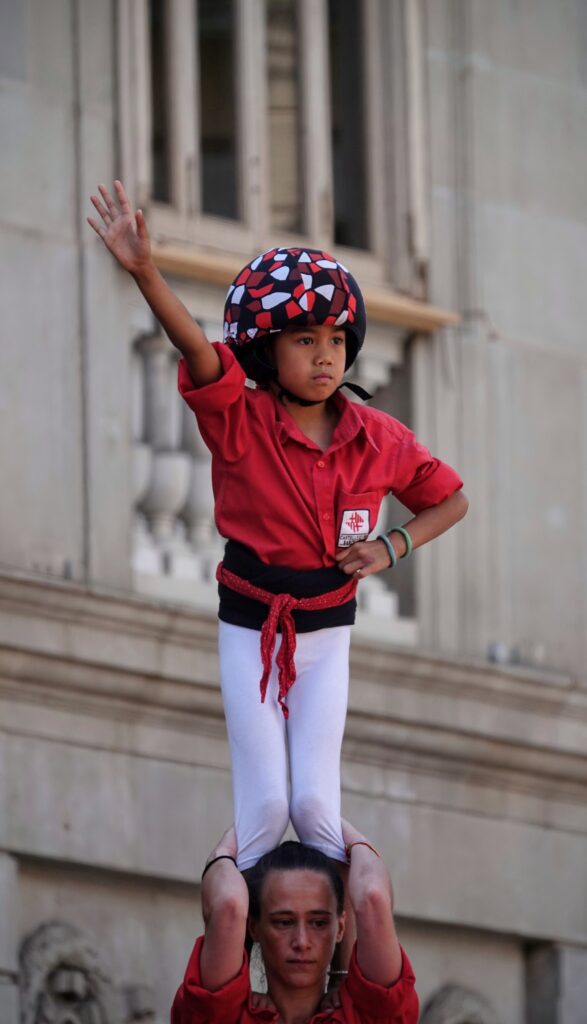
(455, 1005)
(62, 980)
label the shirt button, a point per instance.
(321, 464)
(326, 516)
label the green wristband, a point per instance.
(389, 546)
(407, 538)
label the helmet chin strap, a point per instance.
(355, 388)
(284, 393)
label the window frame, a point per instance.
(395, 133)
(318, 201)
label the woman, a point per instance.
(294, 909)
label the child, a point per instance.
(299, 473)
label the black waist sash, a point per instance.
(280, 579)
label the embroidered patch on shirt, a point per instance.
(355, 526)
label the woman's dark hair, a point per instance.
(291, 856)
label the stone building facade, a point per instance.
(439, 146)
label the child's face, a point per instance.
(310, 361)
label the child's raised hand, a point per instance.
(227, 844)
(363, 558)
(123, 232)
(350, 834)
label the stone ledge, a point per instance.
(60, 601)
(112, 724)
(173, 723)
(382, 304)
(119, 657)
(133, 617)
(379, 729)
(82, 635)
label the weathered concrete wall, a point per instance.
(508, 128)
(472, 961)
(114, 774)
(115, 781)
(143, 927)
(9, 939)
(64, 388)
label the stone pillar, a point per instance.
(169, 475)
(162, 409)
(556, 984)
(198, 511)
(373, 596)
(372, 371)
(145, 555)
(9, 1009)
(378, 601)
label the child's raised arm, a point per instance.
(125, 235)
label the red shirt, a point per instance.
(278, 493)
(362, 1001)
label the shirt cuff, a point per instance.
(222, 392)
(378, 1002)
(433, 483)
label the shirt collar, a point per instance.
(349, 425)
(272, 1017)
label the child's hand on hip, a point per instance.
(364, 558)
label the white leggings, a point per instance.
(262, 741)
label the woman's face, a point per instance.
(298, 927)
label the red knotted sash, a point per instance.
(281, 607)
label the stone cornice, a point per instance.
(123, 613)
(382, 304)
(113, 655)
(89, 689)
(110, 707)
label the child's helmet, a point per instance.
(290, 288)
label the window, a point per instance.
(251, 121)
(159, 103)
(217, 101)
(347, 123)
(284, 116)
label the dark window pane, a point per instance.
(347, 111)
(13, 40)
(284, 115)
(159, 103)
(217, 107)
